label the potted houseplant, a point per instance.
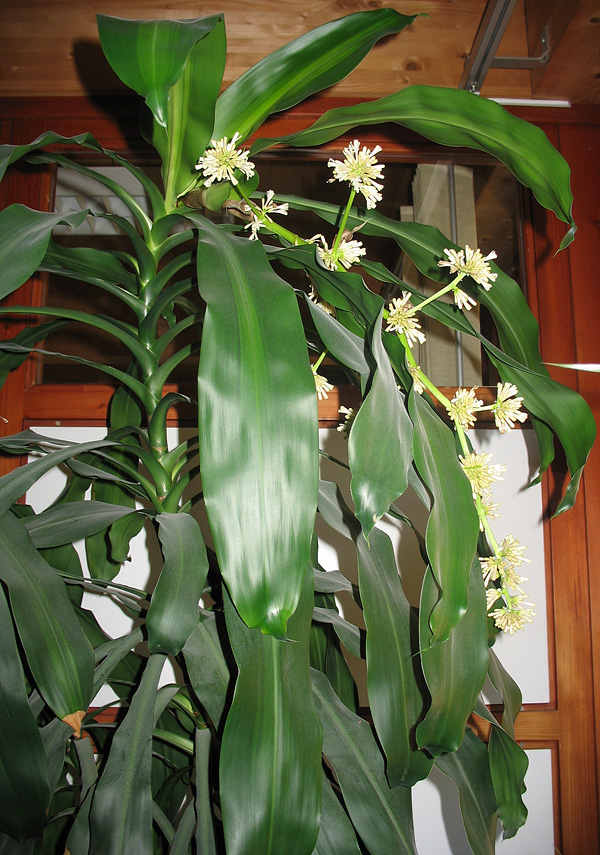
(259, 747)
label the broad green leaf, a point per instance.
(379, 447)
(67, 523)
(336, 834)
(184, 831)
(347, 632)
(121, 811)
(508, 691)
(455, 669)
(177, 67)
(173, 611)
(395, 685)
(312, 62)
(114, 652)
(57, 651)
(468, 767)
(452, 527)
(344, 346)
(107, 550)
(207, 668)
(16, 483)
(25, 238)
(26, 337)
(55, 738)
(508, 766)
(258, 439)
(24, 787)
(270, 766)
(454, 117)
(205, 833)
(382, 816)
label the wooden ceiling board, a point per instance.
(51, 48)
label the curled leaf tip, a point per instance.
(74, 720)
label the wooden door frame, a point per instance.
(562, 295)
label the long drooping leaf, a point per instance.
(24, 787)
(336, 834)
(70, 522)
(205, 833)
(121, 812)
(455, 117)
(508, 766)
(508, 690)
(270, 766)
(177, 67)
(25, 238)
(58, 654)
(468, 767)
(381, 816)
(396, 690)
(173, 611)
(452, 527)
(26, 337)
(312, 62)
(454, 669)
(258, 434)
(16, 483)
(207, 667)
(379, 447)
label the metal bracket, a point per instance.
(526, 61)
(487, 40)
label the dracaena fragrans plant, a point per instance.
(259, 746)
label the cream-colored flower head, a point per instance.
(479, 472)
(349, 414)
(262, 216)
(490, 508)
(322, 385)
(462, 299)
(513, 617)
(347, 253)
(314, 297)
(464, 406)
(401, 319)
(361, 170)
(415, 373)
(507, 408)
(471, 262)
(219, 162)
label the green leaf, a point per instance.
(67, 523)
(394, 682)
(207, 667)
(270, 766)
(16, 483)
(58, 654)
(508, 691)
(177, 67)
(121, 812)
(454, 117)
(258, 440)
(312, 62)
(24, 787)
(205, 833)
(455, 669)
(173, 611)
(508, 766)
(453, 526)
(336, 834)
(379, 447)
(25, 238)
(26, 337)
(468, 767)
(382, 816)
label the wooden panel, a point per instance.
(36, 36)
(574, 68)
(554, 292)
